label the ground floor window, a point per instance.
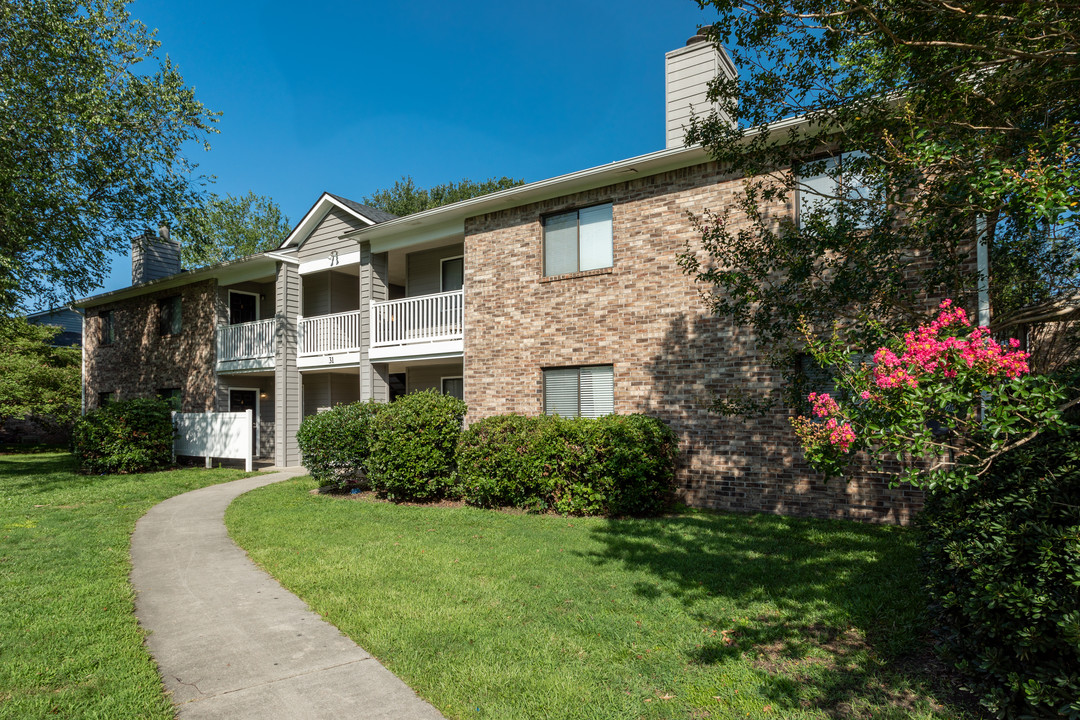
(579, 391)
(453, 386)
(173, 396)
(104, 398)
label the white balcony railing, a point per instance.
(329, 333)
(425, 319)
(246, 341)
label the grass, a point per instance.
(492, 615)
(69, 643)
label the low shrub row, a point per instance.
(414, 449)
(129, 436)
(1003, 573)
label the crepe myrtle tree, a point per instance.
(945, 400)
(919, 130)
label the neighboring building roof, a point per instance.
(68, 320)
(367, 215)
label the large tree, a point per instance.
(230, 227)
(38, 381)
(931, 126)
(94, 126)
(406, 198)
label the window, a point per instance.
(579, 392)
(173, 396)
(578, 240)
(169, 316)
(453, 274)
(108, 328)
(834, 184)
(243, 307)
(104, 398)
(453, 386)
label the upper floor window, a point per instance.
(169, 315)
(108, 328)
(578, 240)
(580, 391)
(453, 274)
(839, 181)
(243, 307)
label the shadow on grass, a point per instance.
(37, 472)
(828, 613)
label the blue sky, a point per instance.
(349, 97)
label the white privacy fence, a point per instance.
(329, 333)
(215, 435)
(246, 341)
(421, 319)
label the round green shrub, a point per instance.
(128, 436)
(335, 445)
(413, 446)
(500, 463)
(1003, 571)
(614, 465)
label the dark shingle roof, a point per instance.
(367, 211)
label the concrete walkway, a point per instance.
(230, 641)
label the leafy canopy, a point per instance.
(230, 227)
(957, 121)
(405, 198)
(37, 380)
(93, 128)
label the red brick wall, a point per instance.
(645, 317)
(140, 361)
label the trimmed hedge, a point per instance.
(335, 445)
(1003, 567)
(412, 448)
(614, 465)
(128, 436)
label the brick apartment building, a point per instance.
(562, 295)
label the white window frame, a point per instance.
(444, 378)
(258, 413)
(578, 368)
(441, 275)
(838, 190)
(544, 244)
(258, 304)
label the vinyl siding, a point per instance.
(330, 292)
(325, 390)
(374, 272)
(429, 377)
(286, 379)
(424, 269)
(326, 237)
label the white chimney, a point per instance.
(688, 72)
(154, 256)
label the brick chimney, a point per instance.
(688, 71)
(154, 256)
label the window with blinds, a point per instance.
(579, 392)
(578, 240)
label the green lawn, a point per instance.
(492, 615)
(70, 646)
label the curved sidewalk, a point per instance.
(230, 641)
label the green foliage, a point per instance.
(37, 381)
(1003, 569)
(126, 436)
(954, 122)
(227, 228)
(93, 127)
(412, 450)
(614, 465)
(405, 198)
(335, 444)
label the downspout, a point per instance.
(982, 261)
(82, 362)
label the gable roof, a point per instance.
(327, 201)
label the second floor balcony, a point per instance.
(246, 346)
(426, 326)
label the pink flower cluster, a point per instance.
(838, 432)
(926, 353)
